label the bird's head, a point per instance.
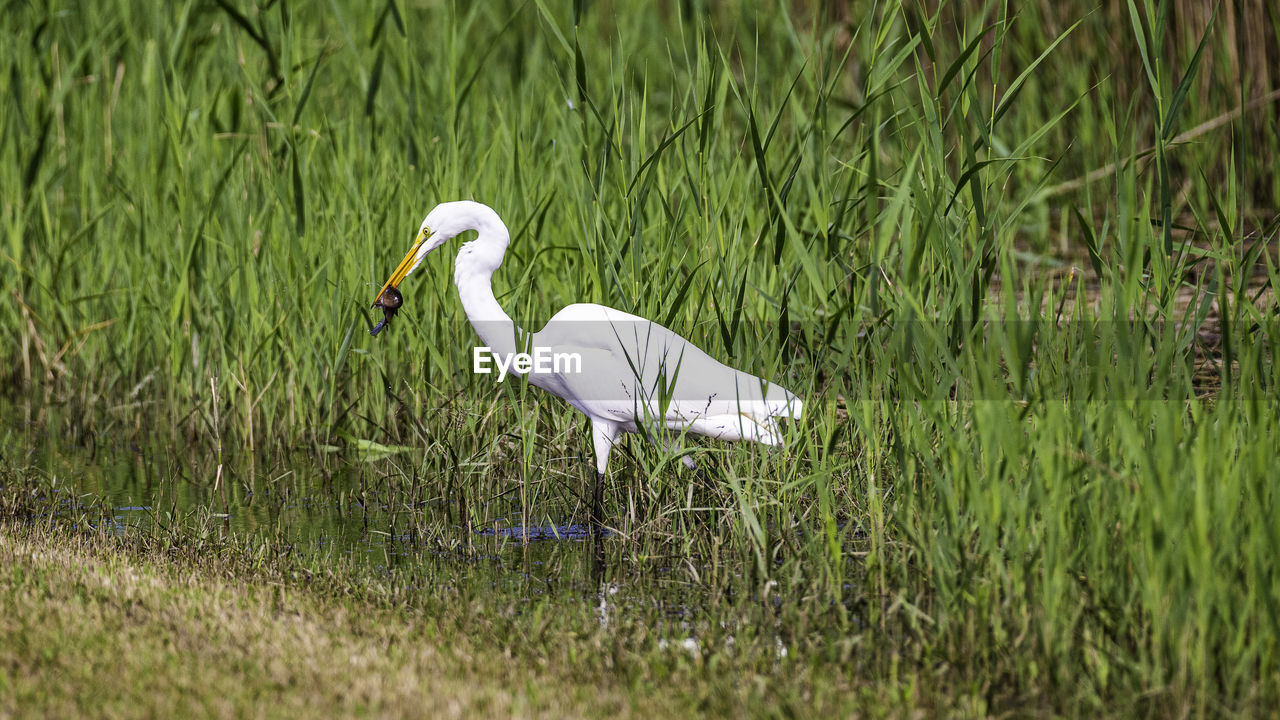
(444, 222)
(430, 236)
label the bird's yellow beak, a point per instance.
(405, 265)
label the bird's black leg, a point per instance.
(598, 565)
(597, 505)
(603, 435)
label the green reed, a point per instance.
(1036, 482)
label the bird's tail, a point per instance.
(755, 420)
(788, 406)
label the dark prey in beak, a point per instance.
(390, 302)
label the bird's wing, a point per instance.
(636, 371)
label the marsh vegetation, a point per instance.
(1020, 266)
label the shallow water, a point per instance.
(328, 505)
(336, 509)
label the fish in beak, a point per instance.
(389, 298)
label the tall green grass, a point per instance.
(1045, 487)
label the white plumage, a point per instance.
(633, 373)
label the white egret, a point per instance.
(631, 375)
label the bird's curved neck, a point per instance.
(473, 274)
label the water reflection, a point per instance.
(334, 507)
